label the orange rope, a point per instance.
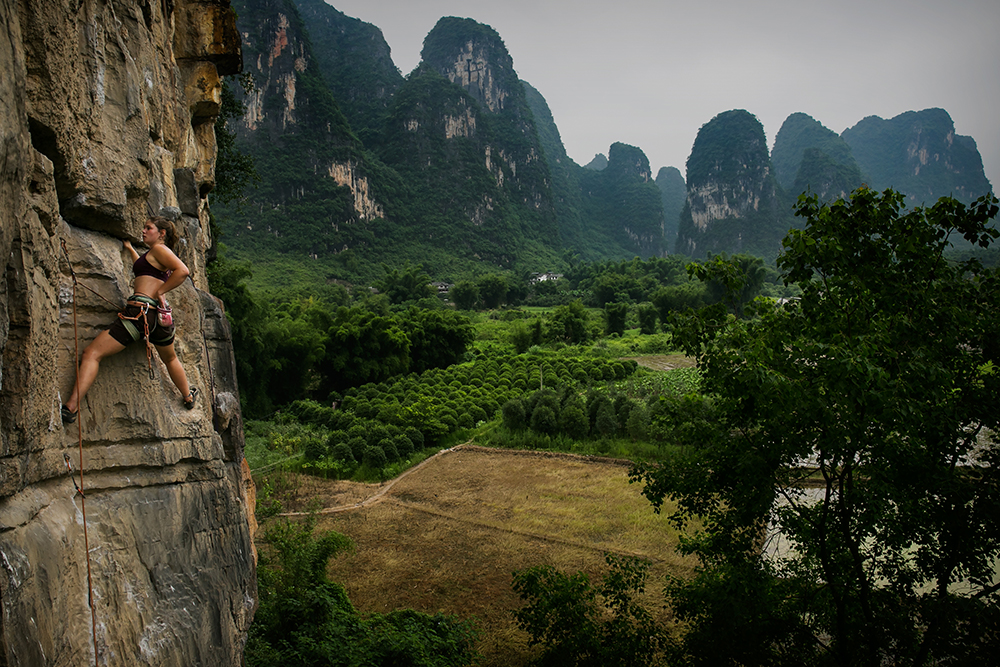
(143, 309)
(79, 435)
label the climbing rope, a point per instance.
(204, 339)
(79, 437)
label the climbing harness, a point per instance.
(79, 437)
(143, 303)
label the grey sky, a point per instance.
(652, 73)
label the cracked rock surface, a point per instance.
(107, 111)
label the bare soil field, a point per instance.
(447, 535)
(664, 362)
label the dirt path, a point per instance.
(447, 535)
(385, 488)
(664, 362)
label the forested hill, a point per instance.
(459, 166)
(920, 154)
(739, 199)
(734, 203)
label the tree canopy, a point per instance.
(848, 478)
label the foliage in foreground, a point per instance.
(306, 620)
(585, 625)
(880, 386)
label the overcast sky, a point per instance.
(651, 73)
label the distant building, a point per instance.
(442, 288)
(543, 277)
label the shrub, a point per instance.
(513, 414)
(374, 457)
(376, 434)
(415, 437)
(342, 452)
(403, 445)
(638, 422)
(544, 420)
(647, 318)
(605, 422)
(585, 625)
(389, 447)
(573, 422)
(314, 448)
(477, 414)
(335, 438)
(357, 446)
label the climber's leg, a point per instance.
(174, 369)
(102, 346)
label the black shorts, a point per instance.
(132, 326)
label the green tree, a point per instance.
(227, 280)
(513, 414)
(234, 169)
(520, 337)
(584, 625)
(570, 323)
(437, 338)
(464, 294)
(492, 290)
(411, 283)
(573, 422)
(646, 313)
(880, 388)
(363, 347)
(734, 280)
(615, 314)
(305, 619)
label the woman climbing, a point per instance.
(156, 272)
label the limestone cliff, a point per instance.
(106, 114)
(798, 134)
(732, 196)
(318, 197)
(673, 192)
(920, 154)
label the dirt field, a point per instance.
(664, 362)
(448, 535)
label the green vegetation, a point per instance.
(859, 428)
(585, 625)
(305, 619)
(878, 391)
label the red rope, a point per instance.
(79, 436)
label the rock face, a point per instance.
(673, 192)
(732, 196)
(107, 112)
(823, 170)
(300, 141)
(919, 154)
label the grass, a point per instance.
(448, 536)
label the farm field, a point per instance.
(448, 535)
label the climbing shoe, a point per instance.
(192, 397)
(68, 416)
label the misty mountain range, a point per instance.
(459, 165)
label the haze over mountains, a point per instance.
(459, 165)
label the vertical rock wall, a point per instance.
(106, 114)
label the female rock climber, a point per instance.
(156, 272)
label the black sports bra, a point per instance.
(142, 267)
